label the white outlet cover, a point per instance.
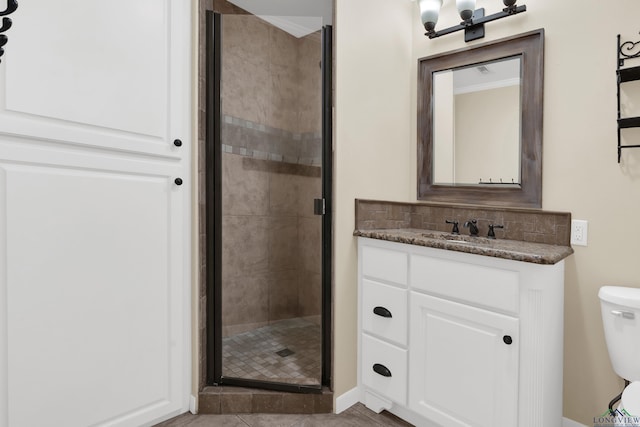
(579, 231)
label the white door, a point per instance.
(464, 364)
(94, 230)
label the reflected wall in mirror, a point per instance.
(477, 106)
(480, 123)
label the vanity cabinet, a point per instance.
(464, 339)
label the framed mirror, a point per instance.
(480, 123)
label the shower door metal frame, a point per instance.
(213, 202)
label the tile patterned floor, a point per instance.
(356, 416)
(254, 354)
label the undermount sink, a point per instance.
(458, 238)
(460, 241)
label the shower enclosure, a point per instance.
(268, 195)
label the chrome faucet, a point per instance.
(473, 228)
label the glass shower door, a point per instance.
(271, 154)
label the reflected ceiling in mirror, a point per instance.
(476, 124)
(480, 123)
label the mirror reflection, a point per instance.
(476, 124)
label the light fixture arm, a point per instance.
(474, 27)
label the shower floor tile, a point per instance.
(254, 354)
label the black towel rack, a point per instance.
(625, 51)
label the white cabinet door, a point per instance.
(463, 370)
(94, 232)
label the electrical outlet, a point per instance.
(579, 229)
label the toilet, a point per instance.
(621, 319)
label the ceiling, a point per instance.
(487, 75)
(297, 17)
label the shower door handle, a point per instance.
(318, 206)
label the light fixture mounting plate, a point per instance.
(475, 31)
(474, 28)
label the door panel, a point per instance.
(105, 80)
(464, 374)
(94, 231)
(90, 289)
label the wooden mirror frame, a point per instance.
(530, 46)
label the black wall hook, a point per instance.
(12, 5)
(6, 24)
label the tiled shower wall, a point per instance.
(271, 92)
(271, 105)
(271, 243)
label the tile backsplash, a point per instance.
(527, 225)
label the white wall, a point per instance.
(372, 150)
(377, 46)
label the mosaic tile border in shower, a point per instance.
(259, 141)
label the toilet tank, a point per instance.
(620, 308)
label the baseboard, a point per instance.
(350, 398)
(566, 422)
(347, 400)
(193, 404)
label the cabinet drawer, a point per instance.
(384, 357)
(384, 311)
(485, 286)
(384, 264)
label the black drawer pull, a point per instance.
(381, 311)
(507, 339)
(381, 369)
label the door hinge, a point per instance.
(318, 207)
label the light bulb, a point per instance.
(429, 11)
(466, 8)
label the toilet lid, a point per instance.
(631, 398)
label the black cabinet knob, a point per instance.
(381, 370)
(507, 339)
(178, 181)
(381, 311)
(177, 143)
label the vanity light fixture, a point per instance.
(473, 19)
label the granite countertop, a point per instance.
(537, 253)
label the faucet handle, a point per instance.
(491, 234)
(455, 226)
